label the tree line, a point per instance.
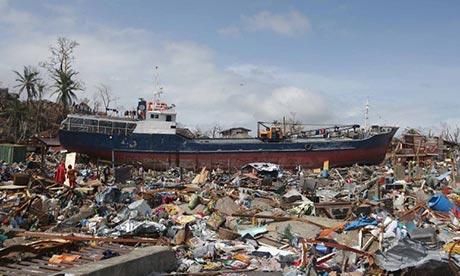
(63, 77)
(56, 77)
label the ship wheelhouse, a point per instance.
(158, 117)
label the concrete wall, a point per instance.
(141, 261)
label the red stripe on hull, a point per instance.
(312, 159)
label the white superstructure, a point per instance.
(159, 118)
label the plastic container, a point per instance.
(322, 249)
(440, 203)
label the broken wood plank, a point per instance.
(275, 218)
(81, 237)
(339, 246)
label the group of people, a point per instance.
(62, 172)
(71, 174)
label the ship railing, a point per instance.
(98, 129)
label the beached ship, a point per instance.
(149, 136)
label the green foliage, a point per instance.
(65, 87)
(22, 119)
(28, 81)
(62, 72)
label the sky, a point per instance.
(237, 62)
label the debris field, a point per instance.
(399, 217)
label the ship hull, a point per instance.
(158, 151)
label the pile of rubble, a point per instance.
(360, 220)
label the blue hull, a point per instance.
(161, 151)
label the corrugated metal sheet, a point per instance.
(13, 153)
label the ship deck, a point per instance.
(258, 141)
(103, 117)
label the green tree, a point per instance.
(28, 81)
(66, 87)
(62, 71)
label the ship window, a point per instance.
(154, 116)
(105, 127)
(91, 125)
(119, 125)
(90, 122)
(76, 124)
(119, 128)
(173, 126)
(78, 121)
(168, 118)
(105, 123)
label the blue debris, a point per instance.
(361, 222)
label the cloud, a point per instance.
(287, 101)
(203, 91)
(11, 17)
(229, 31)
(260, 73)
(290, 24)
(64, 15)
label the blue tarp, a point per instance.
(443, 176)
(359, 223)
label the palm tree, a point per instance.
(66, 87)
(40, 90)
(28, 81)
(40, 93)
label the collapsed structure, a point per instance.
(394, 217)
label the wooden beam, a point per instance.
(81, 237)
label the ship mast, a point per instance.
(157, 95)
(366, 115)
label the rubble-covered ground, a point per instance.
(358, 220)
